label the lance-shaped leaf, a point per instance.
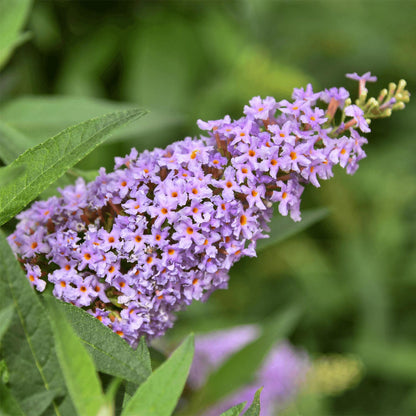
(284, 227)
(111, 354)
(160, 393)
(13, 14)
(235, 410)
(240, 368)
(77, 366)
(28, 345)
(254, 409)
(48, 161)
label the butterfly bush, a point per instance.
(163, 229)
(282, 373)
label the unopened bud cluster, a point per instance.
(137, 244)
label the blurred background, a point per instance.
(353, 274)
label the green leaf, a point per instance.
(111, 354)
(28, 345)
(6, 315)
(13, 14)
(48, 161)
(12, 143)
(240, 368)
(284, 227)
(254, 409)
(8, 404)
(159, 394)
(77, 366)
(39, 117)
(36, 404)
(235, 410)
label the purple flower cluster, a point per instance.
(281, 374)
(137, 244)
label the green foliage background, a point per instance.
(353, 273)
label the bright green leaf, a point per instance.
(284, 227)
(13, 14)
(240, 368)
(111, 354)
(8, 404)
(235, 410)
(254, 409)
(77, 366)
(6, 316)
(28, 345)
(48, 161)
(159, 394)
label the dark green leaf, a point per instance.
(36, 404)
(77, 366)
(111, 354)
(284, 227)
(8, 404)
(159, 394)
(28, 345)
(13, 14)
(235, 410)
(6, 315)
(48, 161)
(254, 409)
(240, 368)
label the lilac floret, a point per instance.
(365, 77)
(338, 94)
(358, 114)
(140, 243)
